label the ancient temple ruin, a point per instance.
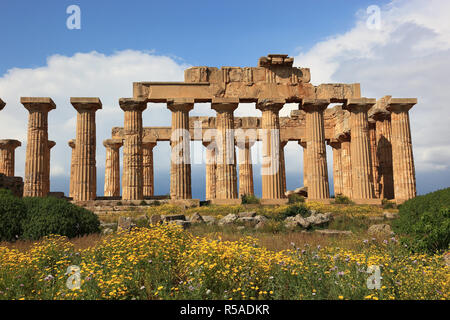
(364, 134)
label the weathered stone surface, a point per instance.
(228, 219)
(196, 218)
(172, 217)
(183, 223)
(318, 219)
(380, 230)
(390, 215)
(302, 191)
(209, 219)
(328, 232)
(124, 224)
(247, 214)
(155, 219)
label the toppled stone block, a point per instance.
(155, 219)
(247, 214)
(124, 224)
(380, 230)
(390, 215)
(171, 217)
(228, 219)
(196, 218)
(328, 232)
(183, 223)
(209, 219)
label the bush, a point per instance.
(424, 222)
(340, 199)
(249, 199)
(388, 204)
(50, 215)
(12, 212)
(292, 211)
(296, 198)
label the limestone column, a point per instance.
(211, 168)
(346, 163)
(362, 179)
(133, 172)
(2, 104)
(112, 167)
(226, 179)
(35, 163)
(403, 161)
(73, 161)
(305, 162)
(337, 166)
(283, 165)
(384, 154)
(7, 156)
(147, 160)
(50, 145)
(85, 187)
(245, 168)
(317, 171)
(272, 177)
(180, 169)
(374, 157)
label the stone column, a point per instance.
(317, 171)
(37, 138)
(245, 168)
(283, 164)
(50, 145)
(112, 167)
(7, 156)
(73, 162)
(403, 161)
(362, 179)
(211, 168)
(85, 186)
(272, 177)
(226, 177)
(384, 154)
(149, 184)
(337, 166)
(2, 104)
(180, 169)
(133, 172)
(374, 157)
(346, 163)
(305, 162)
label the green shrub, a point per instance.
(249, 199)
(292, 211)
(340, 199)
(50, 215)
(12, 212)
(296, 198)
(424, 222)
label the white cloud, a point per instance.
(409, 56)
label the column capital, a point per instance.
(33, 104)
(82, 104)
(401, 104)
(180, 104)
(50, 144)
(359, 104)
(113, 143)
(224, 104)
(130, 104)
(10, 144)
(283, 143)
(148, 144)
(380, 115)
(344, 137)
(310, 105)
(302, 143)
(270, 104)
(71, 143)
(2, 104)
(334, 143)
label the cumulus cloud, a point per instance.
(408, 56)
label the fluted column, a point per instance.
(245, 168)
(337, 166)
(85, 187)
(73, 162)
(346, 163)
(50, 145)
(149, 184)
(180, 169)
(384, 154)
(211, 168)
(305, 162)
(317, 173)
(7, 156)
(112, 167)
(132, 176)
(37, 138)
(272, 178)
(374, 157)
(283, 165)
(403, 161)
(362, 178)
(226, 177)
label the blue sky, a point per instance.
(125, 41)
(201, 32)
